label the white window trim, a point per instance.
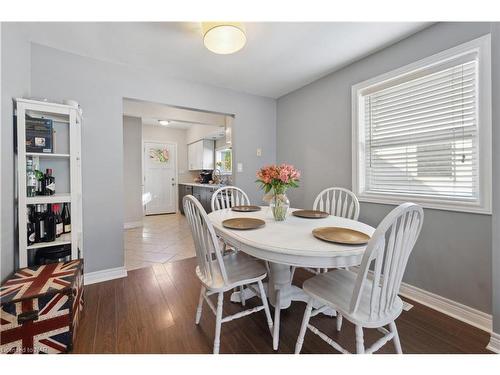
(221, 148)
(481, 46)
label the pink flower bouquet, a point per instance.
(278, 178)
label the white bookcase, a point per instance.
(65, 160)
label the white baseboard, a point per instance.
(446, 306)
(104, 275)
(494, 344)
(454, 309)
(132, 224)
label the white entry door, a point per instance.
(160, 183)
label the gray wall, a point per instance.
(15, 65)
(100, 88)
(495, 264)
(453, 255)
(132, 169)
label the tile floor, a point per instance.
(163, 238)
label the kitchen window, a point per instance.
(423, 132)
(224, 160)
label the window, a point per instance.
(223, 160)
(425, 164)
(423, 133)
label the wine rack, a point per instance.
(64, 158)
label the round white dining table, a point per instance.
(285, 245)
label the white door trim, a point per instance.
(176, 173)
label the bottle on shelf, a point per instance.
(49, 183)
(31, 181)
(50, 224)
(39, 221)
(31, 225)
(59, 221)
(66, 216)
(39, 179)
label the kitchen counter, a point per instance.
(197, 184)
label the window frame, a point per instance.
(480, 46)
(224, 148)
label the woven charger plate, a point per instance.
(243, 223)
(310, 214)
(344, 236)
(246, 208)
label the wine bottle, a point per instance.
(59, 221)
(49, 183)
(30, 179)
(39, 179)
(39, 221)
(31, 225)
(50, 225)
(66, 216)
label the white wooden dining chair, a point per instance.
(219, 273)
(227, 197)
(338, 201)
(368, 299)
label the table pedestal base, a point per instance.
(281, 293)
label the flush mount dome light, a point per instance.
(224, 37)
(163, 122)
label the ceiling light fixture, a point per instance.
(224, 38)
(163, 122)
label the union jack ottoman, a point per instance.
(40, 308)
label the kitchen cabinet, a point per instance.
(229, 130)
(198, 194)
(201, 192)
(201, 155)
(204, 195)
(183, 191)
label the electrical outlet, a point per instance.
(259, 152)
(240, 167)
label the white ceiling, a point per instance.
(180, 118)
(149, 111)
(171, 125)
(278, 57)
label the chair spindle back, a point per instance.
(390, 248)
(208, 252)
(338, 202)
(227, 197)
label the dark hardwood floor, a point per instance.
(153, 310)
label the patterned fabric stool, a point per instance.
(40, 308)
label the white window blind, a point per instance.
(421, 135)
(422, 132)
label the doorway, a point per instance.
(157, 140)
(160, 178)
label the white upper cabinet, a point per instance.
(201, 155)
(229, 130)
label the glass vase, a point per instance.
(279, 206)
